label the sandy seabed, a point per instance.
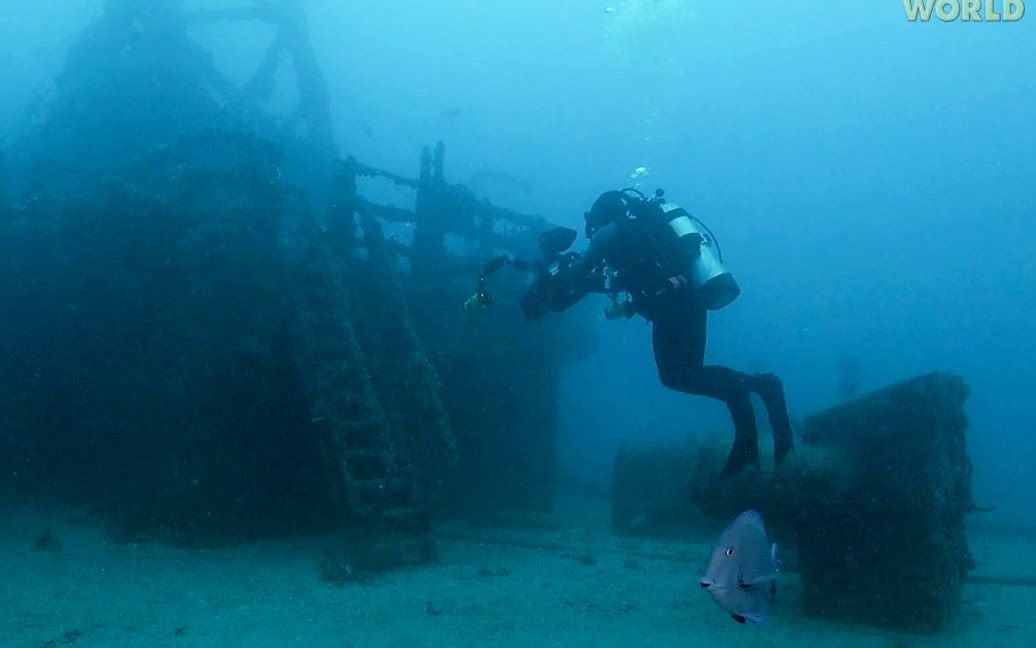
(581, 587)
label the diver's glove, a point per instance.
(619, 309)
(671, 285)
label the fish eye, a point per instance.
(730, 551)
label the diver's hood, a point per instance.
(608, 208)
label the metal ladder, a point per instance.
(380, 489)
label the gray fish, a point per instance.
(742, 573)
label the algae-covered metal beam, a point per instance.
(439, 209)
(372, 172)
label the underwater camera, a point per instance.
(549, 288)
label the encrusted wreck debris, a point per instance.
(873, 503)
(234, 317)
(197, 349)
(888, 544)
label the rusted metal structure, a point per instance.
(242, 339)
(873, 505)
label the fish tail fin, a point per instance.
(756, 617)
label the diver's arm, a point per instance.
(577, 275)
(583, 273)
(681, 280)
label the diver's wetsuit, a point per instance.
(678, 337)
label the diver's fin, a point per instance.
(744, 453)
(770, 389)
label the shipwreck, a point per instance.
(211, 335)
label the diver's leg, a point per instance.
(745, 451)
(771, 390)
(678, 337)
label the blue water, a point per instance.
(868, 175)
(870, 178)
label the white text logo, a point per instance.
(965, 10)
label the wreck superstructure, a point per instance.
(213, 335)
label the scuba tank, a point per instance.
(714, 284)
(681, 250)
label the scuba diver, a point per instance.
(668, 267)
